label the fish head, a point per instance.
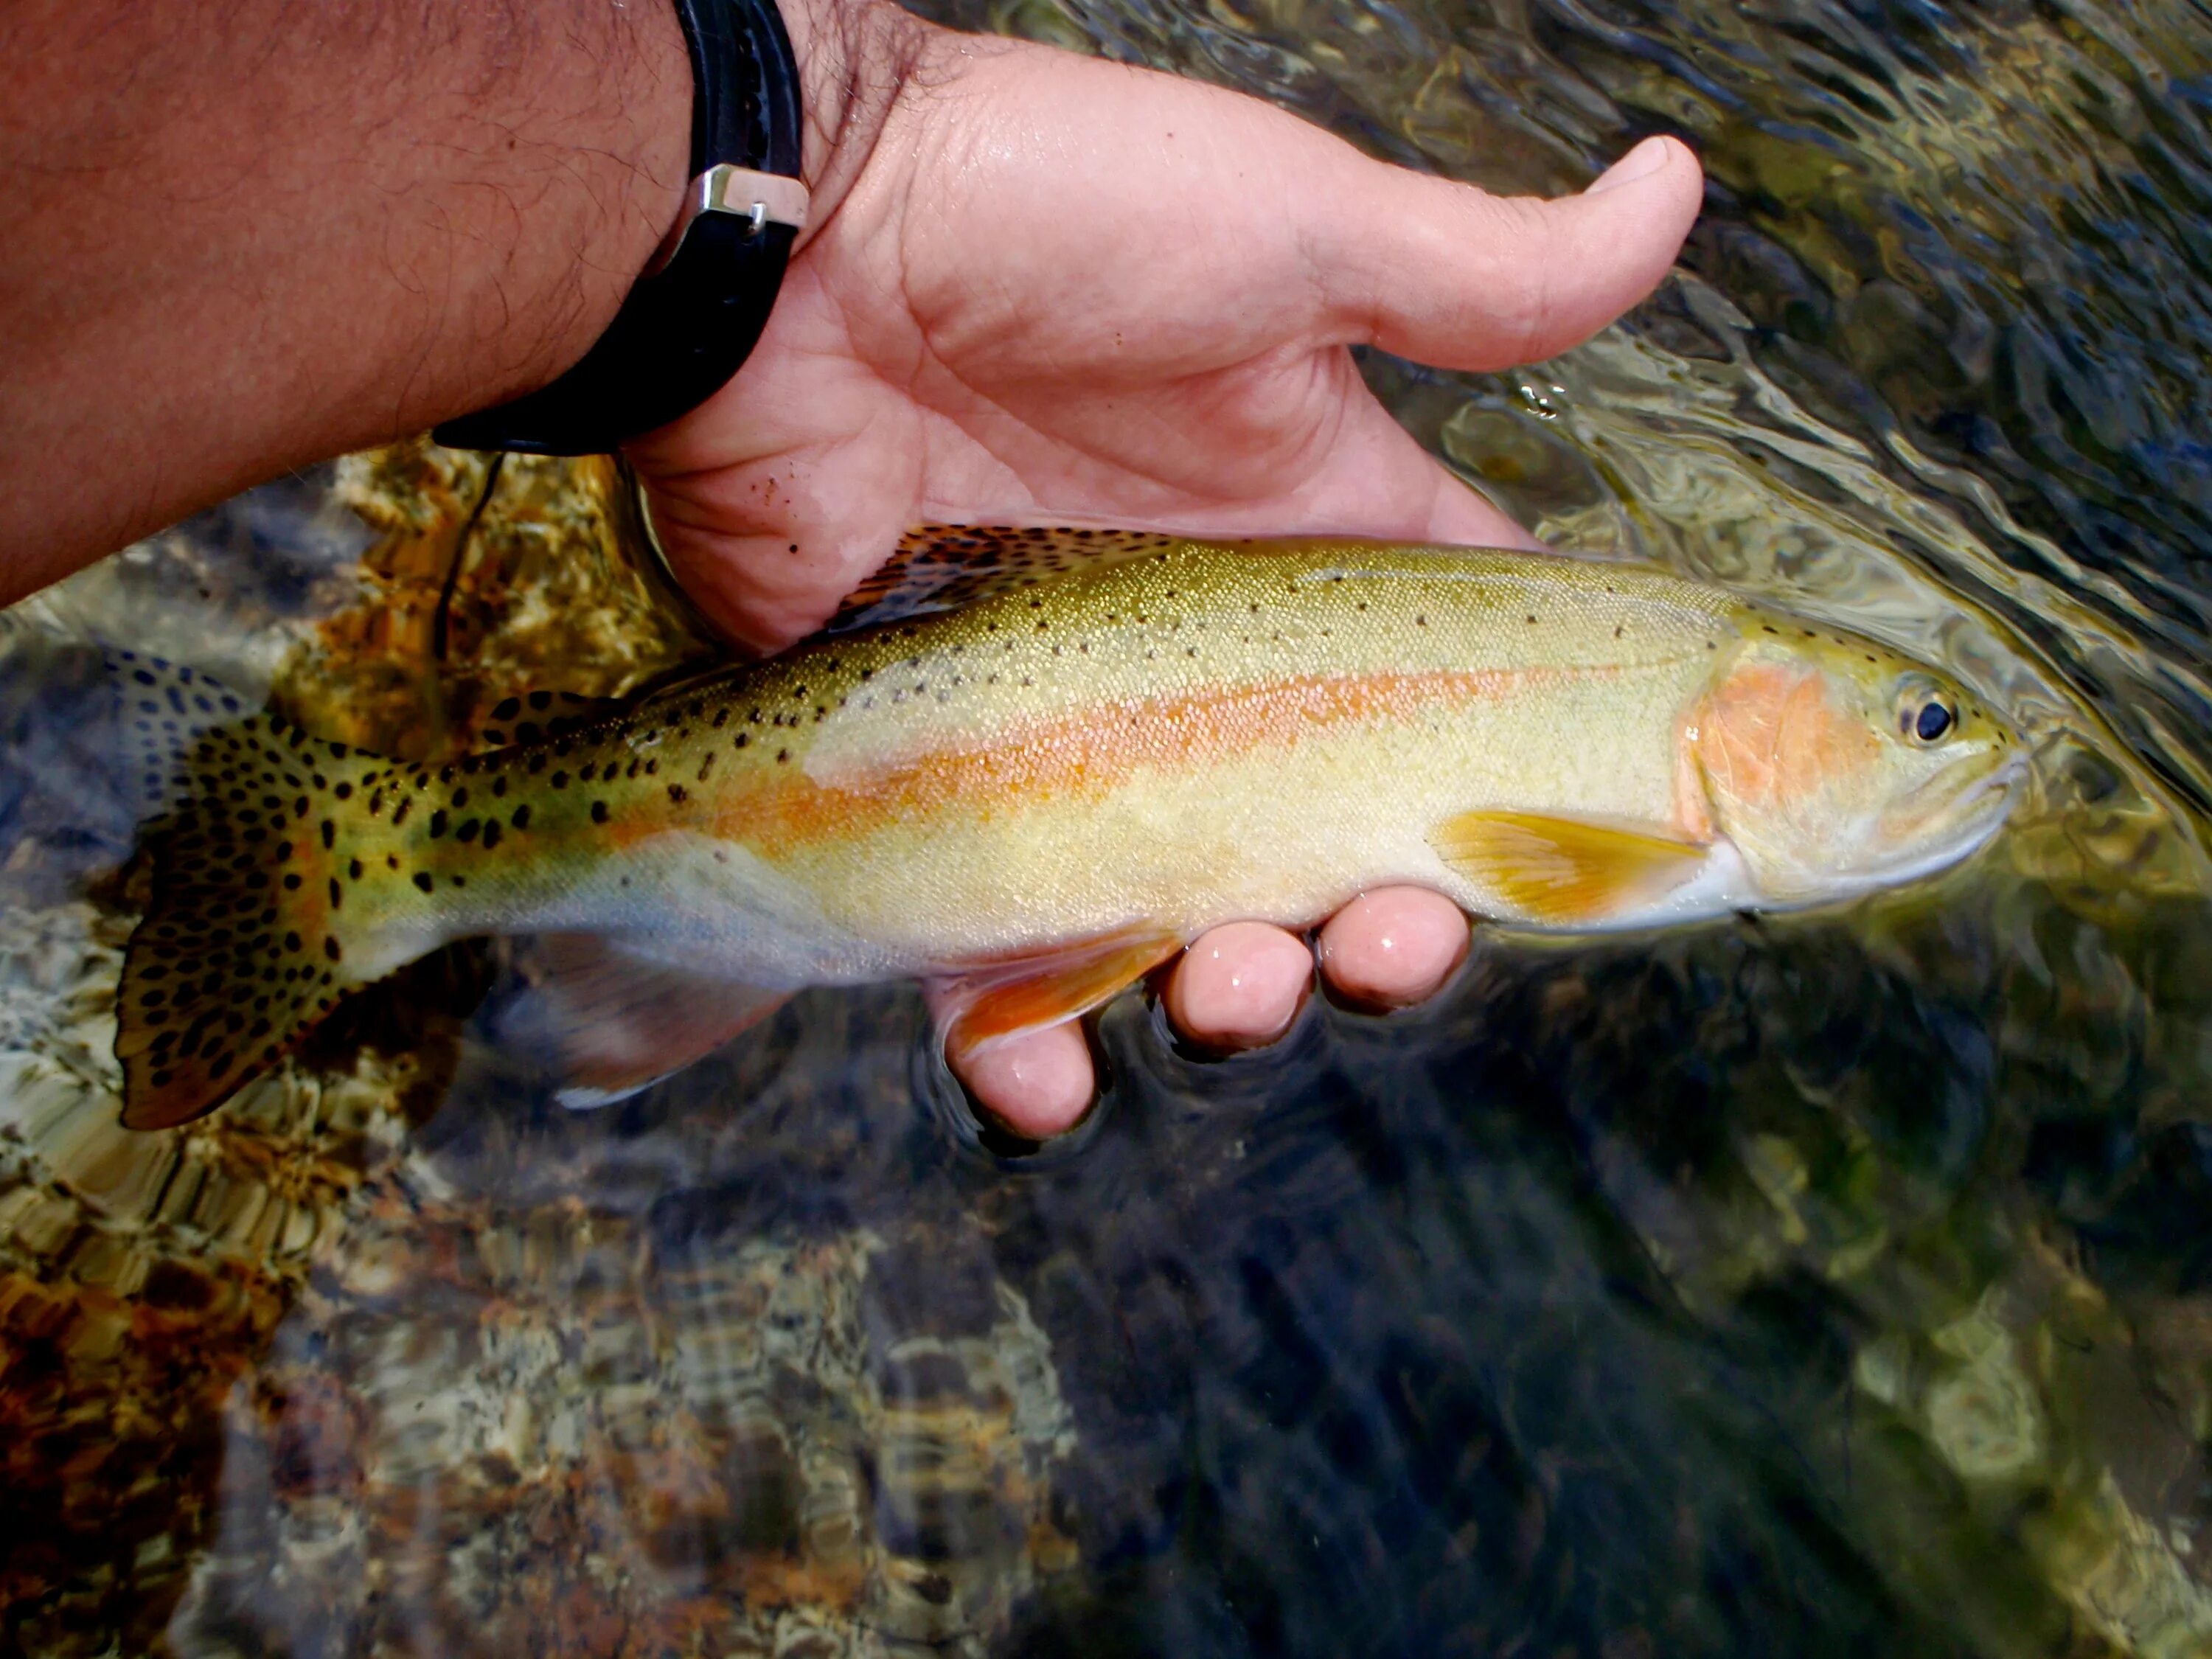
(1835, 765)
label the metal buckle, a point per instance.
(760, 198)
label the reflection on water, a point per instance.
(1796, 1286)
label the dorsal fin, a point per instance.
(942, 566)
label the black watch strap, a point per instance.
(693, 317)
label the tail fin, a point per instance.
(244, 948)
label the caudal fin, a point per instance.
(244, 948)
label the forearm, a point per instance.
(239, 238)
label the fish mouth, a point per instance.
(1953, 812)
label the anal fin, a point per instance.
(990, 1002)
(618, 1021)
(1564, 872)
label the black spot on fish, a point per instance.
(352, 870)
(399, 812)
(522, 818)
(677, 793)
(467, 832)
(422, 880)
(507, 708)
(330, 834)
(598, 812)
(438, 822)
(460, 798)
(338, 893)
(491, 834)
(559, 780)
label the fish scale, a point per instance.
(1055, 758)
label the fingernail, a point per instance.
(1646, 159)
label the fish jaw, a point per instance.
(1973, 806)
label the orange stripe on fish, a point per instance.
(1090, 752)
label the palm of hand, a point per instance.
(1063, 290)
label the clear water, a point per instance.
(1798, 1287)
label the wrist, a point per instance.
(610, 111)
(694, 314)
(855, 58)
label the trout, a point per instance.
(1064, 755)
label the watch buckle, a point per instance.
(760, 198)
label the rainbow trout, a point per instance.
(1100, 744)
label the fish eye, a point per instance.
(1929, 720)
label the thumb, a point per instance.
(1452, 275)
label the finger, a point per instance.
(1239, 986)
(1039, 1085)
(1450, 274)
(1394, 946)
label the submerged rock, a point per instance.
(538, 1430)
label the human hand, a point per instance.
(1040, 287)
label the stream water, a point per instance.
(1794, 1286)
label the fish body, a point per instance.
(1118, 742)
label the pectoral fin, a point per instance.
(1564, 872)
(617, 1021)
(992, 1001)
